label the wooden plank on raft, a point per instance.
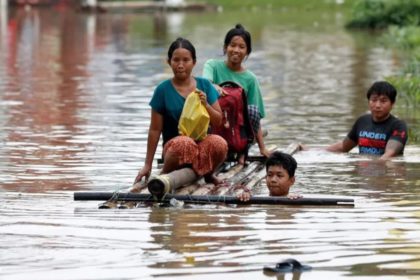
(206, 188)
(200, 185)
(244, 173)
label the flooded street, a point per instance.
(74, 94)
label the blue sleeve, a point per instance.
(209, 89)
(158, 102)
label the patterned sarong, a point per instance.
(202, 156)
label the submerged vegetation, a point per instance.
(408, 82)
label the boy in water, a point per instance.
(280, 176)
(377, 133)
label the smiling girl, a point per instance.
(237, 47)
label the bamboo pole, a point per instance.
(165, 183)
(273, 200)
(236, 179)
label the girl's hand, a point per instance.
(220, 90)
(144, 172)
(203, 96)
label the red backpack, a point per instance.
(235, 128)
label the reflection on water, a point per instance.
(74, 93)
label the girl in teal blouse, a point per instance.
(167, 104)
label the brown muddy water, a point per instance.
(74, 93)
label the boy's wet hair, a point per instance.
(383, 88)
(238, 30)
(184, 44)
(284, 160)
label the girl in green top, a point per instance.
(237, 47)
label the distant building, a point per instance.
(175, 3)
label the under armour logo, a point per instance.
(399, 133)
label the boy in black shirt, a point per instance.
(377, 133)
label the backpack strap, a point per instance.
(229, 84)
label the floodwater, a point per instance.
(74, 93)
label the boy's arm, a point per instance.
(396, 142)
(393, 148)
(342, 147)
(349, 142)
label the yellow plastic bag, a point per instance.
(195, 119)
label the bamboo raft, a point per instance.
(183, 185)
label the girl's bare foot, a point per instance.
(211, 178)
(241, 159)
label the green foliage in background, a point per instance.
(408, 87)
(382, 13)
(408, 81)
(407, 39)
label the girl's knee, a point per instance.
(182, 140)
(215, 140)
(215, 144)
(179, 144)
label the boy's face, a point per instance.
(380, 106)
(278, 180)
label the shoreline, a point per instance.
(146, 6)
